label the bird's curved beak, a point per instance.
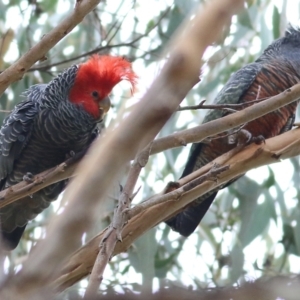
(104, 105)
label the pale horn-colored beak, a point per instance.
(104, 105)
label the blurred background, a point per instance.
(253, 228)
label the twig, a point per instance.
(222, 136)
(234, 131)
(175, 189)
(201, 105)
(118, 25)
(229, 106)
(234, 120)
(101, 48)
(177, 194)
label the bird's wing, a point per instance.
(234, 89)
(231, 93)
(186, 221)
(16, 130)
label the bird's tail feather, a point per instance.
(10, 240)
(187, 221)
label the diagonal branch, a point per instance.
(178, 189)
(114, 231)
(177, 139)
(16, 71)
(234, 120)
(284, 146)
(112, 153)
(225, 106)
(103, 48)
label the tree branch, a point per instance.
(284, 146)
(177, 189)
(112, 153)
(234, 120)
(16, 71)
(114, 231)
(177, 139)
(102, 48)
(25, 188)
(225, 106)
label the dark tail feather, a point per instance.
(187, 221)
(10, 240)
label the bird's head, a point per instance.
(95, 80)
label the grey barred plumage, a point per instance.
(277, 69)
(46, 126)
(24, 146)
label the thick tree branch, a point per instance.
(284, 146)
(25, 188)
(208, 129)
(114, 231)
(177, 139)
(16, 71)
(175, 190)
(177, 77)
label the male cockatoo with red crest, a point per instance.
(54, 120)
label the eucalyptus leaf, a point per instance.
(142, 254)
(276, 22)
(254, 217)
(237, 260)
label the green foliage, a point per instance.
(254, 221)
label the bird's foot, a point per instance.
(258, 139)
(244, 137)
(171, 186)
(240, 137)
(28, 177)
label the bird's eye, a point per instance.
(95, 94)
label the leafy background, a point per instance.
(252, 229)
